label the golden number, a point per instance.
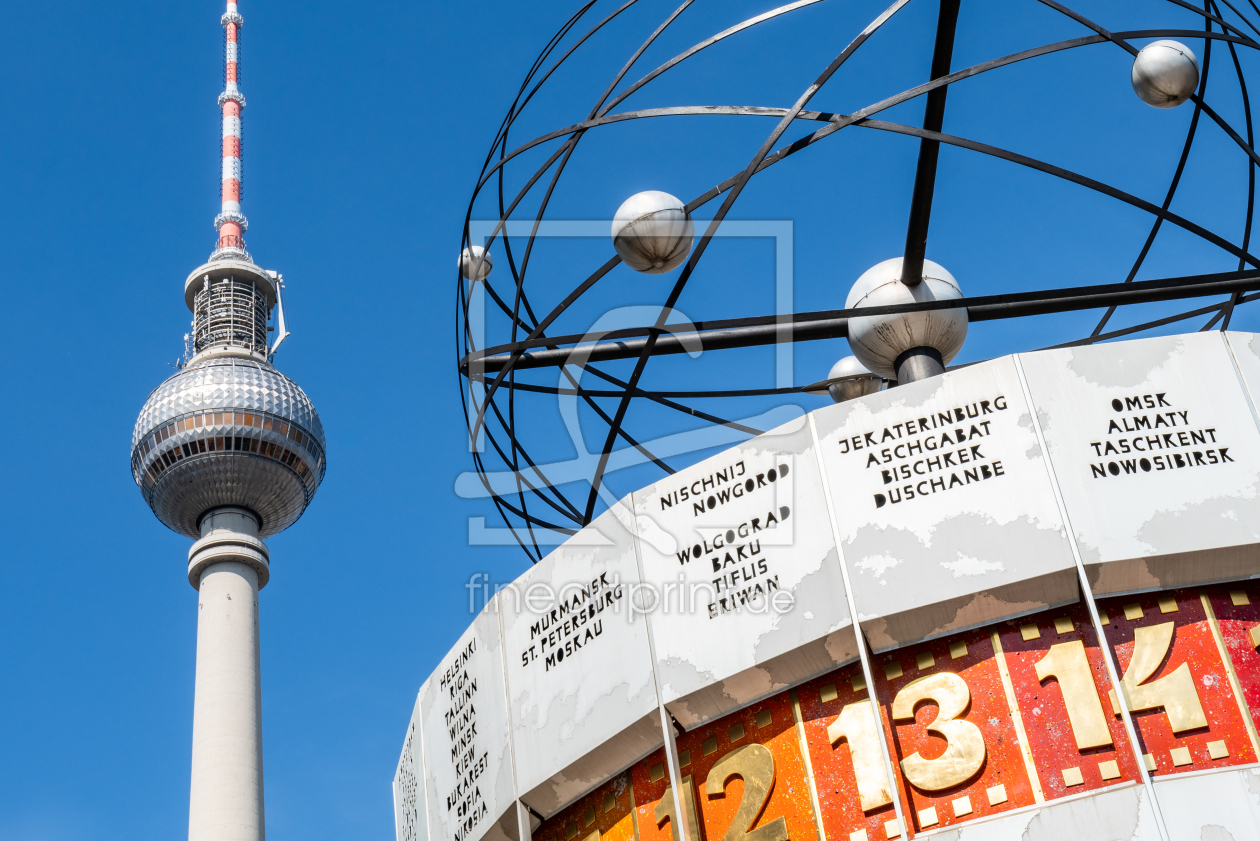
(756, 765)
(1174, 691)
(665, 809)
(1066, 662)
(964, 749)
(856, 723)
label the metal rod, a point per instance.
(977, 306)
(864, 653)
(929, 150)
(766, 330)
(646, 350)
(860, 118)
(918, 363)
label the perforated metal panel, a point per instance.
(231, 312)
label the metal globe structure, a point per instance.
(536, 345)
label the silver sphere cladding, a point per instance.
(652, 232)
(228, 431)
(877, 341)
(475, 263)
(852, 380)
(1165, 74)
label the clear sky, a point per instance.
(366, 126)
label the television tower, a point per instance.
(229, 451)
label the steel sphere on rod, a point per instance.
(652, 232)
(1165, 74)
(849, 379)
(906, 346)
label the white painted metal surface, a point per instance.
(1119, 814)
(740, 549)
(467, 746)
(579, 669)
(1222, 806)
(934, 482)
(1158, 457)
(988, 547)
(410, 809)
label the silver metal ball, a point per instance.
(228, 431)
(877, 341)
(653, 232)
(1165, 74)
(854, 380)
(475, 263)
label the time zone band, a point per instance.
(979, 724)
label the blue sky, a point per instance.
(366, 127)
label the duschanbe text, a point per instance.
(932, 454)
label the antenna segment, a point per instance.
(231, 223)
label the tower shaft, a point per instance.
(226, 795)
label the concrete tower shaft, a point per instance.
(228, 566)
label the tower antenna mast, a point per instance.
(231, 222)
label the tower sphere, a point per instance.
(475, 263)
(878, 341)
(855, 380)
(1165, 73)
(652, 231)
(228, 431)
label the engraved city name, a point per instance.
(931, 454)
(1141, 441)
(721, 487)
(470, 761)
(576, 621)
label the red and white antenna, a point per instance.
(231, 223)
